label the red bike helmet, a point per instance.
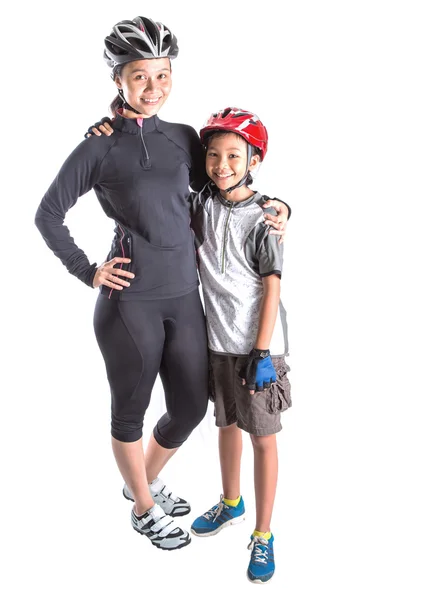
(236, 120)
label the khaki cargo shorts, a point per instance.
(259, 414)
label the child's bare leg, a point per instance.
(265, 478)
(230, 452)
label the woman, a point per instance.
(148, 318)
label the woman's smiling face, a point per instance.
(146, 84)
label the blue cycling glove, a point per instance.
(258, 371)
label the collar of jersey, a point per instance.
(255, 198)
(134, 126)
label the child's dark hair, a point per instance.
(218, 134)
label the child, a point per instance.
(240, 267)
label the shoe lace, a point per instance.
(214, 512)
(260, 550)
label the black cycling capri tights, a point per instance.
(138, 340)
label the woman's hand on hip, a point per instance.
(108, 275)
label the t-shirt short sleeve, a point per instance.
(269, 254)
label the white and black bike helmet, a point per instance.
(138, 39)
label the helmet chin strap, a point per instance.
(125, 104)
(245, 177)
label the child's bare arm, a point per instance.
(268, 311)
(258, 373)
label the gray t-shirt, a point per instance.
(234, 253)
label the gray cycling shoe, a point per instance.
(172, 505)
(160, 529)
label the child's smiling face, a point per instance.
(226, 158)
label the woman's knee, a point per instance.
(173, 430)
(198, 413)
(126, 431)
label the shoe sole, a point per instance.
(186, 543)
(257, 580)
(215, 531)
(177, 511)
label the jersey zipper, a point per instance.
(145, 149)
(225, 238)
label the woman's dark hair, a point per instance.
(217, 134)
(116, 102)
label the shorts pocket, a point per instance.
(279, 394)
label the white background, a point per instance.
(346, 90)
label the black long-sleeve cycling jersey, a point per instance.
(141, 176)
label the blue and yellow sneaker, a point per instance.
(262, 564)
(218, 517)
